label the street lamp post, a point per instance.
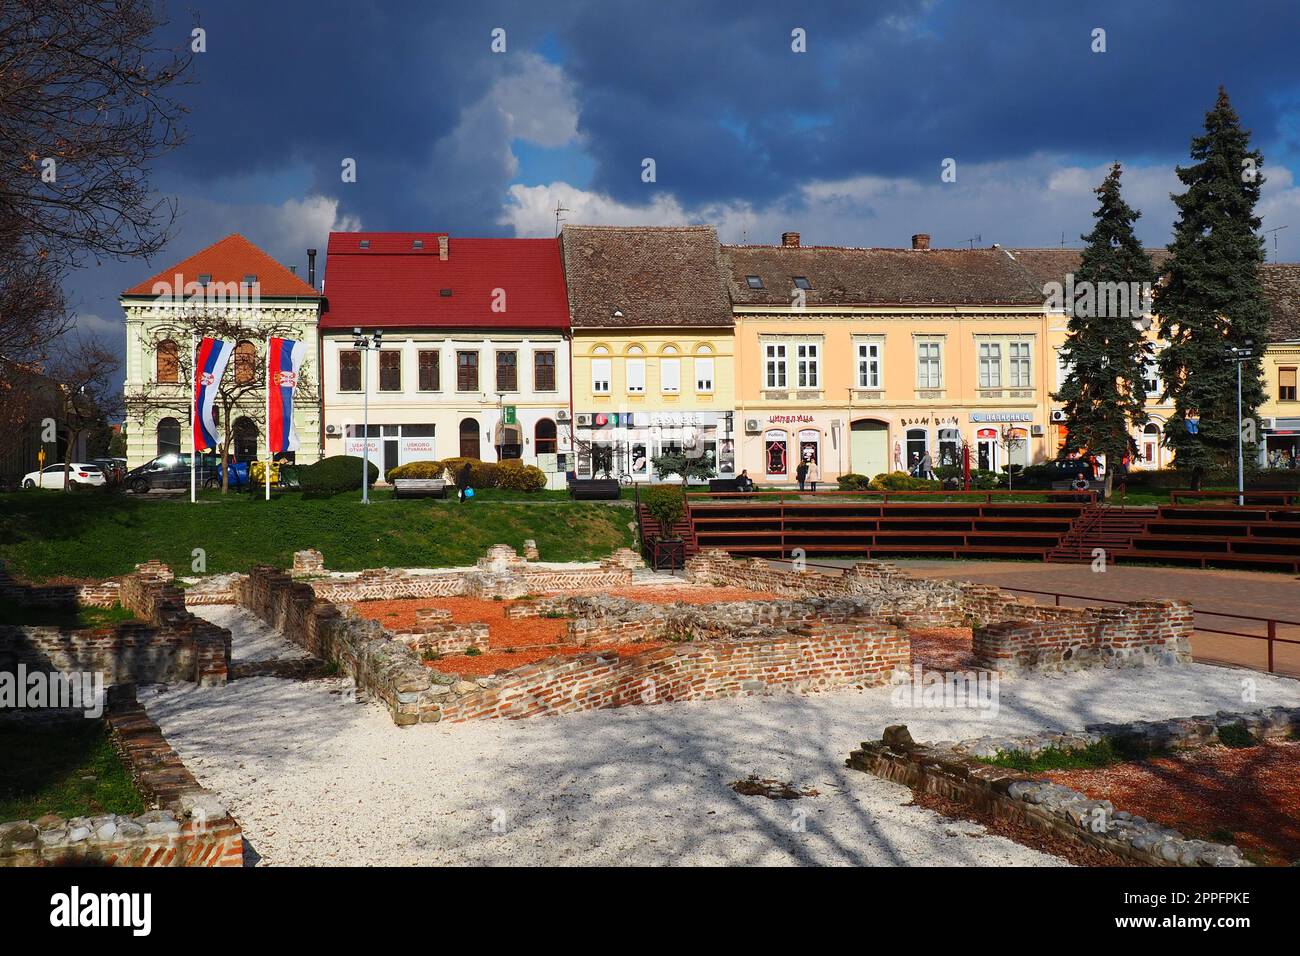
(1241, 356)
(365, 345)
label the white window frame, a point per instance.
(703, 374)
(670, 375)
(1021, 366)
(775, 372)
(870, 360)
(1151, 373)
(635, 376)
(808, 365)
(926, 363)
(601, 372)
(989, 364)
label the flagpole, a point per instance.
(194, 413)
(266, 477)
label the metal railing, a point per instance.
(956, 497)
(1261, 497)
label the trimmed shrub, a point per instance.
(902, 481)
(853, 482)
(514, 475)
(334, 474)
(482, 474)
(417, 469)
(666, 504)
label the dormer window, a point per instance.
(365, 243)
(205, 278)
(445, 293)
(802, 282)
(417, 243)
(250, 279)
(754, 282)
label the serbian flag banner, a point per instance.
(209, 365)
(283, 360)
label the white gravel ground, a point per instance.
(250, 639)
(316, 780)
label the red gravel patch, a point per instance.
(943, 648)
(1252, 793)
(512, 642)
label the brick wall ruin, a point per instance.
(1010, 634)
(167, 643)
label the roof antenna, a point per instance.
(558, 218)
(974, 239)
(1274, 232)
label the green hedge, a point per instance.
(417, 469)
(666, 504)
(902, 481)
(334, 474)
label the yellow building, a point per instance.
(1280, 413)
(872, 360)
(653, 360)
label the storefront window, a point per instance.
(776, 453)
(949, 446)
(810, 445)
(917, 446)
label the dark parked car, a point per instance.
(1069, 469)
(173, 471)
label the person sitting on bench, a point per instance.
(744, 482)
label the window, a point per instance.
(802, 282)
(990, 362)
(868, 365)
(635, 376)
(1151, 379)
(929, 367)
(544, 442)
(168, 362)
(775, 359)
(169, 436)
(600, 375)
(507, 371)
(430, 370)
(1020, 365)
(1286, 383)
(544, 371)
(245, 363)
(349, 370)
(949, 446)
(704, 374)
(390, 370)
(809, 365)
(670, 375)
(467, 372)
(754, 282)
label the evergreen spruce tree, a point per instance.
(1211, 299)
(1104, 393)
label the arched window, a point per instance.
(168, 362)
(544, 442)
(169, 436)
(245, 363)
(469, 444)
(246, 439)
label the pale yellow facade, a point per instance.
(651, 390)
(1279, 432)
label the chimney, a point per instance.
(790, 239)
(921, 241)
(311, 268)
(442, 248)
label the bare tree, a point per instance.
(86, 377)
(85, 107)
(242, 390)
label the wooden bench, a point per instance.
(726, 486)
(419, 488)
(594, 489)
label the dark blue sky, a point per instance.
(842, 143)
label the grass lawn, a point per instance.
(71, 770)
(55, 535)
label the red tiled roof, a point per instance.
(228, 261)
(393, 284)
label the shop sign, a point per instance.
(1002, 416)
(790, 419)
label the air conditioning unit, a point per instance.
(1036, 431)
(562, 415)
(332, 430)
(1268, 424)
(583, 420)
(753, 426)
(1058, 415)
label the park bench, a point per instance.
(594, 489)
(419, 488)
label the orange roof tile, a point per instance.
(230, 260)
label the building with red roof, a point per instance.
(474, 352)
(240, 287)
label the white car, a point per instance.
(52, 476)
